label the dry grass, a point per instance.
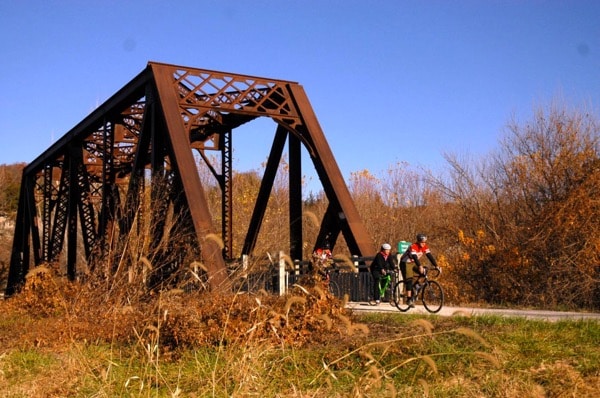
(183, 319)
(61, 339)
(113, 337)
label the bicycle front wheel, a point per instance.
(433, 297)
(399, 296)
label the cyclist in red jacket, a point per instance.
(323, 254)
(412, 256)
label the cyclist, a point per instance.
(322, 258)
(412, 256)
(323, 254)
(382, 263)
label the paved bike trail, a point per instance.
(469, 311)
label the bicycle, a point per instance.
(325, 265)
(385, 287)
(430, 292)
(332, 286)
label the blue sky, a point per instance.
(390, 81)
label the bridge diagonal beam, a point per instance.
(266, 185)
(335, 188)
(183, 162)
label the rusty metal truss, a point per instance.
(86, 186)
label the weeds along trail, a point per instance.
(69, 311)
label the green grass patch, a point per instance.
(408, 355)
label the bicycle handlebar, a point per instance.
(434, 272)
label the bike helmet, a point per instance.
(386, 246)
(421, 238)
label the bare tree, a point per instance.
(528, 216)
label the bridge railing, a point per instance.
(357, 283)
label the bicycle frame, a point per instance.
(384, 283)
(387, 282)
(429, 292)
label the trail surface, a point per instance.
(468, 311)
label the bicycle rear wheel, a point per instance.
(334, 289)
(399, 296)
(433, 297)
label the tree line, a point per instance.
(518, 226)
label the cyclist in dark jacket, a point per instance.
(381, 265)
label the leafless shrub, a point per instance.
(526, 220)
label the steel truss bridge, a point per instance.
(87, 185)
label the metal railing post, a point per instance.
(282, 275)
